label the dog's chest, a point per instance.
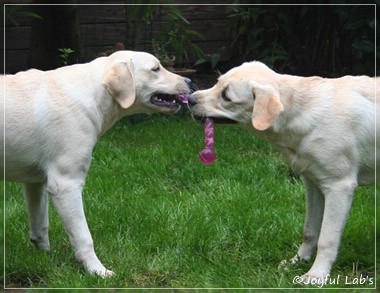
(299, 164)
(290, 147)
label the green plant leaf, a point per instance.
(200, 61)
(33, 15)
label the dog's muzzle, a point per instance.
(192, 101)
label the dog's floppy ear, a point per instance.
(266, 108)
(119, 82)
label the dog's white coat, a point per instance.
(325, 127)
(52, 122)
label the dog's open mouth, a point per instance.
(166, 101)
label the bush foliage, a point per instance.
(328, 40)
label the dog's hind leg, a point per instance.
(65, 189)
(37, 203)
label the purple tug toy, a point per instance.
(183, 99)
(207, 154)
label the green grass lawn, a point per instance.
(161, 219)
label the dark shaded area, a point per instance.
(330, 40)
(56, 28)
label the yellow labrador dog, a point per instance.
(52, 122)
(325, 127)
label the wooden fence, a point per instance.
(102, 26)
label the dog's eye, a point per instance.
(156, 69)
(224, 96)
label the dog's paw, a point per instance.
(40, 243)
(284, 265)
(104, 273)
(107, 273)
(298, 259)
(99, 270)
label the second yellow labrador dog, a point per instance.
(325, 127)
(52, 122)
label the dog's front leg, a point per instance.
(37, 202)
(313, 221)
(338, 200)
(66, 192)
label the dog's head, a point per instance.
(247, 94)
(138, 82)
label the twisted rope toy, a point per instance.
(207, 154)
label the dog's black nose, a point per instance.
(189, 82)
(192, 101)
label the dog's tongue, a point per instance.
(207, 155)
